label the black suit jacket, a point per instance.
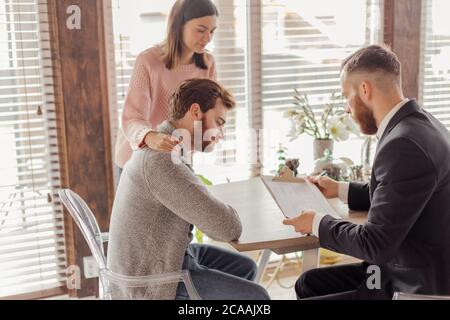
(408, 229)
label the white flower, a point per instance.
(297, 128)
(293, 134)
(328, 109)
(338, 129)
(289, 113)
(351, 125)
(299, 118)
(301, 127)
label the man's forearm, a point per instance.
(359, 196)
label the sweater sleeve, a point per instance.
(180, 191)
(135, 123)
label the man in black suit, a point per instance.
(405, 242)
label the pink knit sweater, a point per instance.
(147, 101)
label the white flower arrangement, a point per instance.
(334, 123)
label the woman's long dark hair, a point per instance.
(182, 12)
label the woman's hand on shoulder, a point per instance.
(161, 142)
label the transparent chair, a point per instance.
(410, 296)
(113, 286)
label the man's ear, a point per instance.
(366, 91)
(196, 112)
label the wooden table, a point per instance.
(263, 227)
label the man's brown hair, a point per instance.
(374, 59)
(204, 92)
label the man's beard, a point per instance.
(364, 117)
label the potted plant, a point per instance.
(292, 164)
(334, 124)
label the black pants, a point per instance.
(219, 274)
(331, 283)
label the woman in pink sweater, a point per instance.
(159, 70)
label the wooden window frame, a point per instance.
(402, 32)
(82, 107)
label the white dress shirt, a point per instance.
(344, 186)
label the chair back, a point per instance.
(410, 296)
(115, 286)
(154, 287)
(86, 222)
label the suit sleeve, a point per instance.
(407, 179)
(359, 197)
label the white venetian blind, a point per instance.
(32, 251)
(230, 161)
(435, 82)
(304, 43)
(132, 20)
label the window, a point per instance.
(303, 45)
(435, 82)
(264, 49)
(228, 162)
(32, 252)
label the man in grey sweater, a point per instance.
(159, 199)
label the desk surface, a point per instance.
(262, 220)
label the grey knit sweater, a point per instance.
(156, 203)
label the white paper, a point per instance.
(293, 198)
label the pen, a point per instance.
(323, 174)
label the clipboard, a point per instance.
(293, 195)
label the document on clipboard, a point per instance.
(293, 195)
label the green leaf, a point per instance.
(198, 235)
(204, 180)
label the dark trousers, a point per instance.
(331, 283)
(219, 274)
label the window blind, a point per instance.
(304, 43)
(264, 49)
(435, 78)
(32, 251)
(229, 161)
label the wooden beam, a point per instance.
(83, 110)
(40, 295)
(402, 32)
